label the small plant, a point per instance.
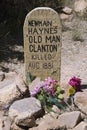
(76, 35)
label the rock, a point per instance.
(34, 83)
(2, 76)
(80, 6)
(15, 127)
(51, 115)
(11, 90)
(23, 112)
(5, 123)
(70, 119)
(80, 100)
(67, 10)
(66, 17)
(56, 110)
(81, 126)
(10, 75)
(49, 123)
(0, 125)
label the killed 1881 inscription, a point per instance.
(42, 44)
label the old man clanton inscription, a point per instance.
(42, 44)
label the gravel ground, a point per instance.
(74, 53)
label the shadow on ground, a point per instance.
(84, 86)
(11, 47)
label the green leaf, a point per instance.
(40, 97)
(57, 103)
(30, 77)
(42, 100)
(58, 89)
(48, 108)
(60, 96)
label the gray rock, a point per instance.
(80, 100)
(15, 127)
(5, 123)
(2, 76)
(24, 112)
(70, 119)
(49, 123)
(66, 17)
(67, 10)
(0, 125)
(35, 82)
(56, 110)
(81, 126)
(11, 90)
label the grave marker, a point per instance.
(42, 44)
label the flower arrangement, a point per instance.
(49, 93)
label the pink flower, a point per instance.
(76, 83)
(37, 89)
(50, 81)
(50, 85)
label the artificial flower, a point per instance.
(49, 81)
(37, 89)
(75, 83)
(71, 91)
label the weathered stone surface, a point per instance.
(81, 126)
(0, 125)
(50, 115)
(70, 119)
(80, 100)
(5, 123)
(42, 44)
(2, 76)
(49, 123)
(80, 7)
(22, 112)
(11, 90)
(35, 82)
(66, 17)
(67, 10)
(15, 127)
(56, 109)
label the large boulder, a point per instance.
(23, 112)
(80, 100)
(70, 119)
(12, 89)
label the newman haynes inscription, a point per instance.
(42, 44)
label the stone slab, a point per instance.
(42, 44)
